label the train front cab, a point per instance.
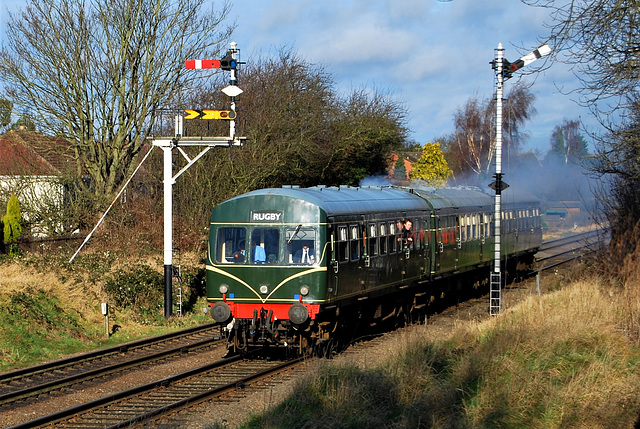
(260, 295)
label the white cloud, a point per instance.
(431, 55)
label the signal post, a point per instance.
(504, 70)
(227, 63)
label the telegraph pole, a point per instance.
(504, 70)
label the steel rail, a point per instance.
(122, 348)
(97, 372)
(207, 392)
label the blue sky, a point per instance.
(430, 55)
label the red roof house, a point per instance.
(30, 167)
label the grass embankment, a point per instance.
(565, 359)
(49, 308)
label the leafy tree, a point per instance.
(99, 70)
(300, 131)
(285, 111)
(431, 168)
(12, 225)
(365, 132)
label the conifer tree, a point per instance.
(12, 226)
(399, 170)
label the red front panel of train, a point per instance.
(280, 311)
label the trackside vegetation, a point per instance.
(564, 359)
(49, 308)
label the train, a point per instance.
(293, 267)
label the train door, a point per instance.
(420, 248)
(339, 245)
(424, 248)
(434, 238)
(485, 237)
(476, 228)
(449, 244)
(351, 280)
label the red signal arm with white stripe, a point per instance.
(202, 64)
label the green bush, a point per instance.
(139, 288)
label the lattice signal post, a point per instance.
(504, 70)
(178, 141)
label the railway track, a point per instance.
(553, 253)
(30, 383)
(220, 381)
(580, 238)
(217, 381)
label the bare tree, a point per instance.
(567, 143)
(96, 71)
(599, 39)
(473, 142)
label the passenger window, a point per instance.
(343, 244)
(231, 245)
(474, 226)
(392, 237)
(373, 240)
(383, 239)
(418, 233)
(265, 246)
(354, 242)
(301, 245)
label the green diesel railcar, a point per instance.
(287, 266)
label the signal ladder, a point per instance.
(494, 293)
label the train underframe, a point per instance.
(340, 323)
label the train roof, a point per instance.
(348, 200)
(441, 198)
(336, 201)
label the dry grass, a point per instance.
(16, 277)
(564, 359)
(555, 361)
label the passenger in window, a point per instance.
(259, 255)
(304, 256)
(399, 230)
(239, 255)
(407, 234)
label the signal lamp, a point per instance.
(227, 62)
